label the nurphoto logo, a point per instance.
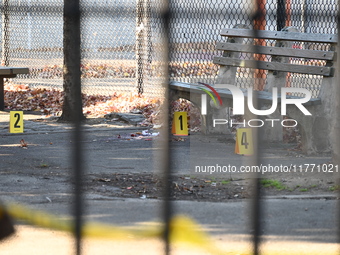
(239, 102)
(204, 98)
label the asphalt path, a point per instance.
(39, 176)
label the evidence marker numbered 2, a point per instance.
(16, 122)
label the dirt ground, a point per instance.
(184, 187)
(215, 189)
(199, 187)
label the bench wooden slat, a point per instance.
(280, 35)
(275, 66)
(278, 51)
(13, 70)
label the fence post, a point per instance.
(260, 24)
(5, 33)
(147, 37)
(140, 31)
(143, 43)
(281, 15)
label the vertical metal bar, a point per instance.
(147, 38)
(259, 24)
(288, 13)
(336, 134)
(167, 162)
(281, 14)
(5, 33)
(140, 31)
(72, 65)
(256, 210)
(2, 94)
(303, 16)
(256, 204)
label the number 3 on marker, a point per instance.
(16, 122)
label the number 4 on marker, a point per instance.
(16, 122)
(244, 141)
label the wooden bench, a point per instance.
(8, 72)
(289, 58)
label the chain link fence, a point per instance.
(121, 40)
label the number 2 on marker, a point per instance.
(16, 122)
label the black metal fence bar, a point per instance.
(256, 202)
(186, 49)
(167, 158)
(72, 84)
(336, 149)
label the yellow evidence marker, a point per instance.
(180, 123)
(244, 141)
(16, 122)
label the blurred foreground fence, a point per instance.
(121, 40)
(122, 50)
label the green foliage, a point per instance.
(334, 188)
(270, 183)
(225, 182)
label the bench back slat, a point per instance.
(275, 66)
(13, 70)
(280, 35)
(277, 51)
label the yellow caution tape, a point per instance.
(182, 228)
(91, 229)
(185, 230)
(37, 218)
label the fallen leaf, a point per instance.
(23, 143)
(104, 180)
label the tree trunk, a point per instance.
(72, 107)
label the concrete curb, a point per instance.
(325, 196)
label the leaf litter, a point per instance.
(49, 103)
(150, 186)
